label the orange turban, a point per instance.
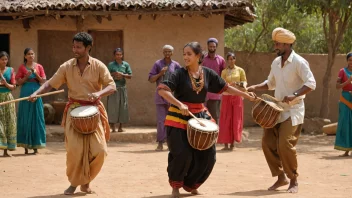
(282, 35)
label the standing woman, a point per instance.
(31, 132)
(118, 102)
(189, 168)
(343, 140)
(231, 114)
(7, 112)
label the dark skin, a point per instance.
(119, 76)
(167, 58)
(340, 85)
(30, 64)
(3, 62)
(81, 53)
(191, 61)
(212, 49)
(284, 50)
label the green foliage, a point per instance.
(302, 17)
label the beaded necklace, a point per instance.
(197, 86)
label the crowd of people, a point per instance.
(206, 86)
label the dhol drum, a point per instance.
(85, 119)
(202, 137)
(266, 111)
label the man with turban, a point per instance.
(216, 63)
(292, 79)
(161, 71)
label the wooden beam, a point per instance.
(79, 23)
(25, 23)
(125, 12)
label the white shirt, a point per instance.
(288, 79)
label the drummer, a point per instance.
(85, 77)
(188, 167)
(292, 79)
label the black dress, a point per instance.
(189, 167)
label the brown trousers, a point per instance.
(278, 145)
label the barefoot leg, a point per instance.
(345, 154)
(281, 181)
(70, 190)
(35, 151)
(160, 147)
(85, 188)
(293, 188)
(6, 154)
(175, 193)
(226, 147)
(120, 128)
(25, 151)
(232, 146)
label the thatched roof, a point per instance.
(237, 12)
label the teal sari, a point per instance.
(31, 133)
(343, 140)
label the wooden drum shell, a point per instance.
(86, 125)
(201, 140)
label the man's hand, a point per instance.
(93, 97)
(33, 97)
(164, 70)
(251, 88)
(288, 99)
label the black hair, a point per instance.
(118, 50)
(3, 53)
(230, 54)
(83, 37)
(197, 49)
(349, 55)
(25, 53)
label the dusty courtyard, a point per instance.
(136, 170)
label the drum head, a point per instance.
(84, 111)
(209, 125)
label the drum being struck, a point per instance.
(85, 119)
(202, 137)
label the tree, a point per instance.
(256, 36)
(336, 15)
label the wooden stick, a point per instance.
(200, 122)
(26, 98)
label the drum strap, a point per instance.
(346, 102)
(101, 108)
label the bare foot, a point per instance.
(293, 188)
(26, 151)
(225, 149)
(175, 193)
(121, 130)
(345, 154)
(232, 147)
(35, 152)
(160, 147)
(70, 190)
(6, 154)
(281, 181)
(85, 188)
(195, 192)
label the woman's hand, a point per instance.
(184, 109)
(252, 96)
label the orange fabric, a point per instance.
(346, 102)
(101, 108)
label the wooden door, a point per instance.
(104, 44)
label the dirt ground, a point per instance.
(136, 170)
